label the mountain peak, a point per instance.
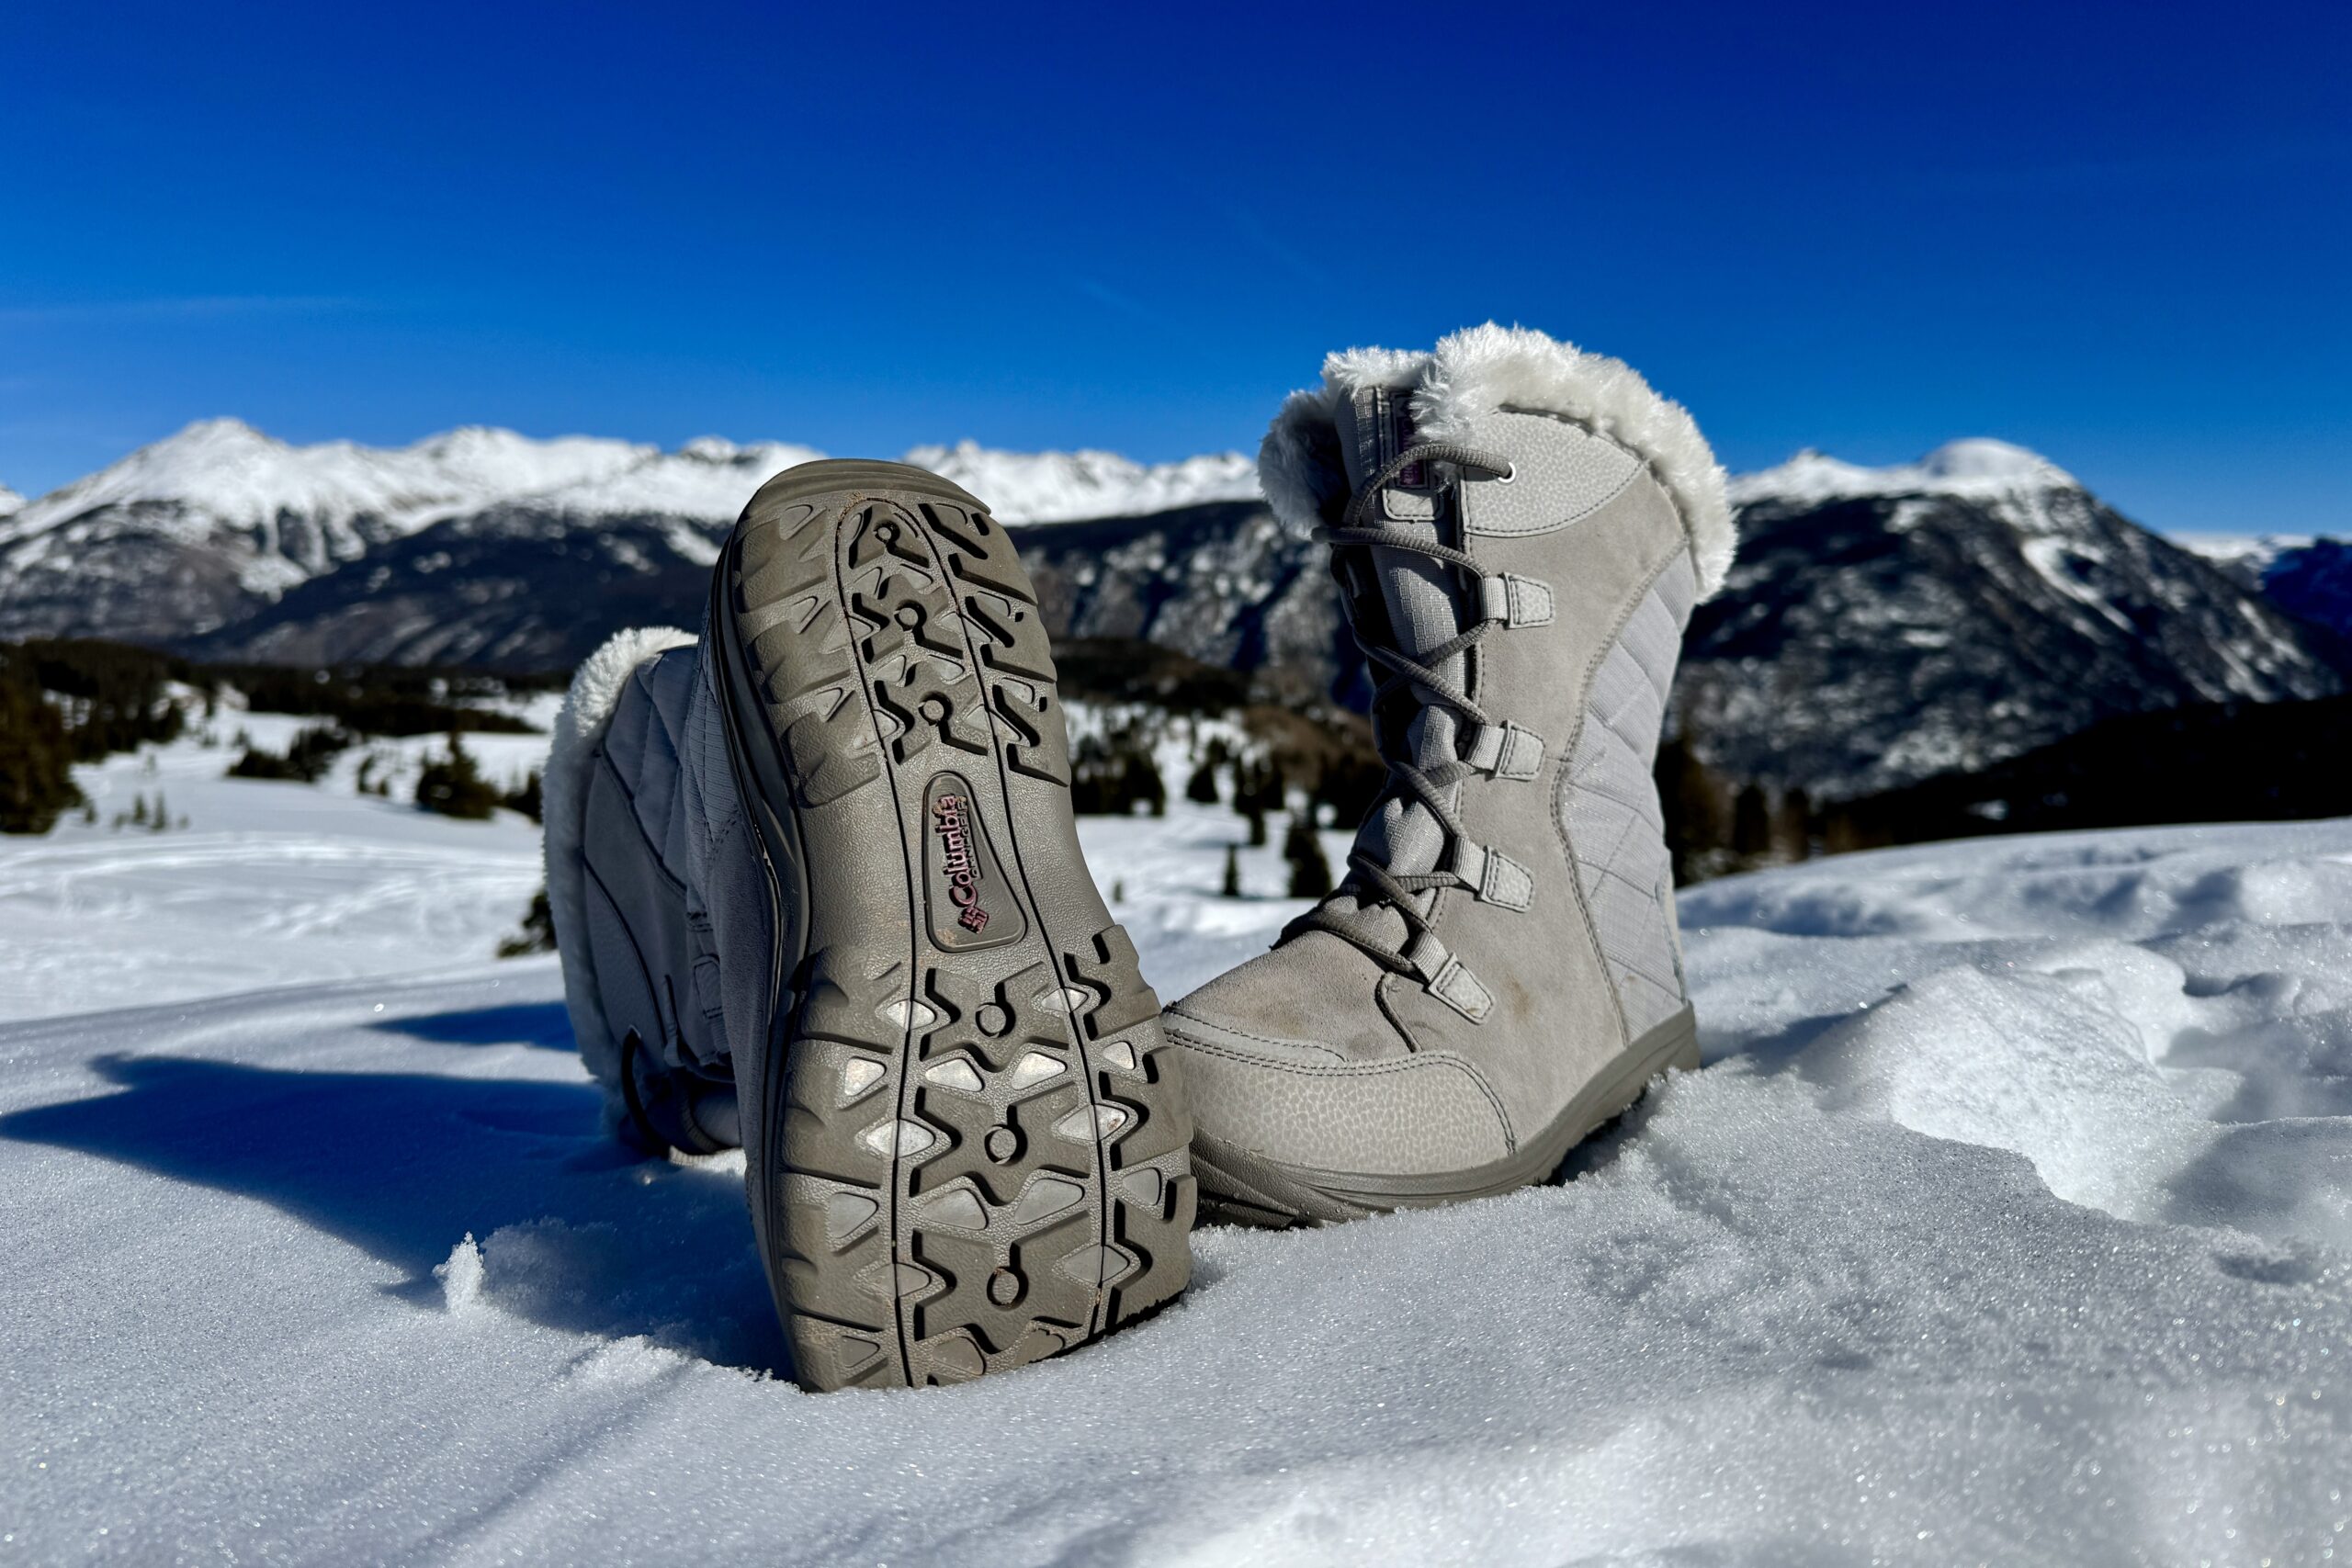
(1069, 487)
(1982, 459)
(1975, 465)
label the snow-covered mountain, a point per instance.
(303, 508)
(1884, 624)
(203, 530)
(1978, 468)
(10, 503)
(1065, 487)
(2308, 577)
(200, 529)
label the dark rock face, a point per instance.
(521, 588)
(512, 587)
(1866, 642)
(2314, 581)
(143, 571)
(1224, 583)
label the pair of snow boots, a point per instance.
(818, 894)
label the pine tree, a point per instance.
(1232, 888)
(537, 934)
(1792, 827)
(1751, 822)
(527, 798)
(36, 754)
(1310, 873)
(453, 785)
(1202, 786)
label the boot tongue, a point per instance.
(1423, 610)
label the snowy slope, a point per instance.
(2010, 1221)
(266, 883)
(10, 503)
(1065, 487)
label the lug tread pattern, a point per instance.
(983, 1162)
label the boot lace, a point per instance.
(1370, 882)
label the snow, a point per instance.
(268, 882)
(707, 479)
(1976, 466)
(1068, 486)
(10, 503)
(2251, 552)
(2010, 1221)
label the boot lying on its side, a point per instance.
(818, 889)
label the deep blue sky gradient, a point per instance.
(2120, 234)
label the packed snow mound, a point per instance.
(1978, 467)
(2010, 1221)
(1068, 486)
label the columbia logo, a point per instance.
(949, 814)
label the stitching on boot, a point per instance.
(1380, 996)
(1558, 780)
(1458, 988)
(1507, 884)
(1168, 1020)
(1369, 1070)
(1642, 465)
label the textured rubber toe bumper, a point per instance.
(971, 1146)
(1245, 1186)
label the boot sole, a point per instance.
(973, 1141)
(1241, 1187)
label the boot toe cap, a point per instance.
(1315, 1110)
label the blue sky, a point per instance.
(2117, 234)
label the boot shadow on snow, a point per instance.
(543, 1024)
(577, 1233)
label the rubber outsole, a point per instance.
(972, 1140)
(1238, 1187)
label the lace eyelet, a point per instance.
(1507, 475)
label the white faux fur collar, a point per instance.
(1471, 375)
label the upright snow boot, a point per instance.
(1520, 531)
(966, 1141)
